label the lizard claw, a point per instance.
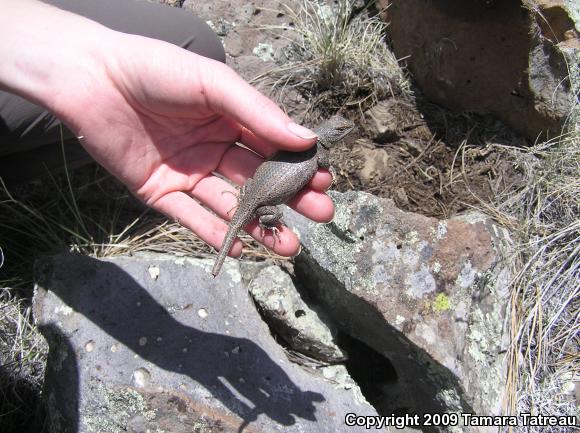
(333, 174)
(275, 232)
(236, 195)
(231, 209)
(230, 192)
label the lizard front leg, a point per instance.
(323, 160)
(268, 218)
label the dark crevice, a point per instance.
(373, 372)
(395, 375)
(377, 378)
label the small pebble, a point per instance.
(141, 377)
(154, 272)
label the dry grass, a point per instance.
(544, 358)
(86, 211)
(23, 356)
(96, 217)
(335, 58)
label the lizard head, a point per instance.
(333, 130)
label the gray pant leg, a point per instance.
(30, 135)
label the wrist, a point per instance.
(49, 56)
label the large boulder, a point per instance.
(154, 343)
(429, 295)
(509, 57)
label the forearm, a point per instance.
(46, 53)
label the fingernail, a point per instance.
(301, 131)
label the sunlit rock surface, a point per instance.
(430, 295)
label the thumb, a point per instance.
(229, 94)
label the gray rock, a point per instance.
(154, 343)
(429, 295)
(286, 312)
(250, 49)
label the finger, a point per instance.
(239, 164)
(189, 213)
(228, 94)
(315, 205)
(218, 195)
(257, 144)
(321, 180)
(284, 244)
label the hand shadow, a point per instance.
(224, 365)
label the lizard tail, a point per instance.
(226, 246)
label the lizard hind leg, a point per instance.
(269, 217)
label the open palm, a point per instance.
(165, 122)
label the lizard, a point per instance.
(277, 180)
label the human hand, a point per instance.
(164, 120)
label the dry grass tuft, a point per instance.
(336, 58)
(89, 212)
(22, 360)
(544, 361)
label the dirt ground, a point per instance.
(429, 161)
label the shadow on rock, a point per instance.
(236, 371)
(61, 384)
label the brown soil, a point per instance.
(441, 164)
(432, 161)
